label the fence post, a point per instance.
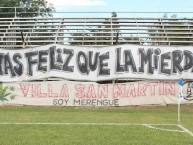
(15, 11)
(38, 11)
(111, 31)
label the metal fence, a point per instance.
(97, 31)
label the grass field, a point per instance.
(153, 125)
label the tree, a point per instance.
(132, 39)
(97, 35)
(25, 8)
(105, 33)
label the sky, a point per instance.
(125, 6)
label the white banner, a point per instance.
(97, 64)
(69, 93)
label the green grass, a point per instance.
(13, 134)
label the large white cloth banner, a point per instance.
(97, 64)
(69, 93)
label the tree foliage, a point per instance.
(98, 35)
(25, 8)
(104, 34)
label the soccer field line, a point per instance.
(151, 126)
(80, 123)
(186, 130)
(163, 129)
